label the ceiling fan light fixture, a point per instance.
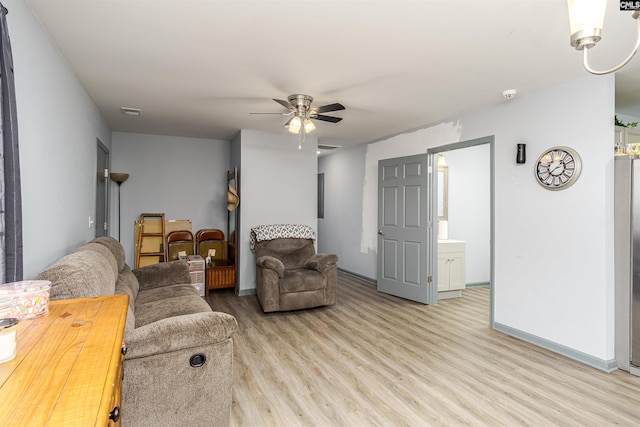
(295, 124)
(304, 115)
(309, 126)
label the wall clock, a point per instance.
(558, 168)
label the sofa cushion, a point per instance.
(128, 284)
(292, 252)
(90, 271)
(130, 280)
(162, 274)
(115, 247)
(169, 307)
(301, 280)
(158, 294)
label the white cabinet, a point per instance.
(451, 268)
(632, 136)
(625, 136)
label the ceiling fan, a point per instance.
(300, 106)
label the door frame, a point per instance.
(432, 208)
(107, 188)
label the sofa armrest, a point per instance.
(271, 263)
(320, 262)
(162, 274)
(180, 332)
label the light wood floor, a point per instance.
(376, 360)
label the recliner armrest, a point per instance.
(179, 332)
(320, 262)
(163, 274)
(271, 263)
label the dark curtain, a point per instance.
(10, 193)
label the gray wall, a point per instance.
(184, 178)
(277, 186)
(340, 230)
(58, 126)
(553, 250)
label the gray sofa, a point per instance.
(167, 324)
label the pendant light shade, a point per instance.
(309, 126)
(295, 124)
(586, 20)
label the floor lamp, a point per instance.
(119, 178)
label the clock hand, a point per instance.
(553, 170)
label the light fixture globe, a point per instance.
(295, 124)
(309, 126)
(586, 19)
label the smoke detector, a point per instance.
(510, 93)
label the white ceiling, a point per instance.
(198, 68)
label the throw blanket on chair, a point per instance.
(280, 231)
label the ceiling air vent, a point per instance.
(128, 111)
(328, 147)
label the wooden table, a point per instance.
(68, 365)
(220, 274)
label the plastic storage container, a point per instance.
(29, 298)
(196, 271)
(6, 307)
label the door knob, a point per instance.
(380, 232)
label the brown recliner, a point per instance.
(291, 276)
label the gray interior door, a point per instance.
(102, 191)
(402, 228)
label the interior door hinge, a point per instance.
(106, 173)
(429, 279)
(105, 226)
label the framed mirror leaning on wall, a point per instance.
(232, 212)
(443, 189)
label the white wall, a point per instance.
(470, 208)
(277, 186)
(553, 250)
(184, 178)
(58, 125)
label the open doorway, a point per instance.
(466, 220)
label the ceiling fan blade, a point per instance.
(329, 108)
(327, 118)
(288, 121)
(280, 114)
(285, 104)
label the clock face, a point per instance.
(558, 168)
